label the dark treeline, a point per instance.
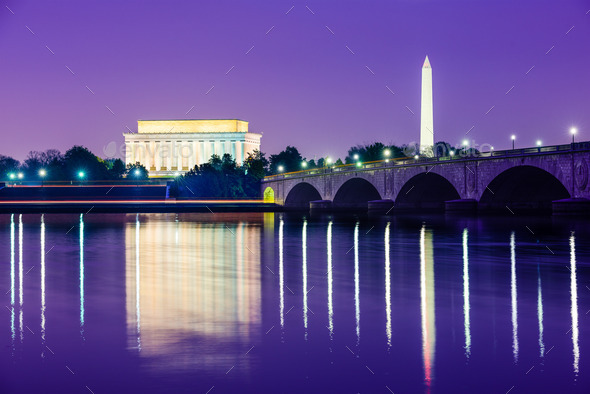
(77, 163)
(220, 177)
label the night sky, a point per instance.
(299, 84)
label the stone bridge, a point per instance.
(518, 179)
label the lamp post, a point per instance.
(513, 137)
(281, 168)
(42, 174)
(304, 164)
(573, 131)
(81, 175)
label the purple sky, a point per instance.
(299, 85)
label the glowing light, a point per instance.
(574, 302)
(427, 304)
(81, 174)
(357, 304)
(330, 289)
(540, 313)
(12, 278)
(20, 275)
(452, 153)
(465, 143)
(304, 164)
(304, 253)
(573, 130)
(387, 152)
(281, 168)
(512, 137)
(137, 284)
(176, 174)
(43, 277)
(539, 143)
(387, 287)
(328, 160)
(137, 172)
(281, 276)
(355, 156)
(416, 157)
(513, 298)
(466, 303)
(11, 175)
(82, 274)
(20, 175)
(42, 173)
(359, 164)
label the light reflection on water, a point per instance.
(201, 302)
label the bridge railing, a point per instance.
(403, 161)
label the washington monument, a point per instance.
(426, 117)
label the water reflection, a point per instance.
(82, 275)
(513, 298)
(427, 304)
(304, 254)
(12, 279)
(387, 287)
(192, 289)
(281, 274)
(138, 283)
(574, 302)
(330, 278)
(357, 304)
(540, 313)
(466, 302)
(20, 275)
(42, 252)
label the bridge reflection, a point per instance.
(425, 291)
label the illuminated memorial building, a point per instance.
(165, 147)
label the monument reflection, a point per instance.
(192, 288)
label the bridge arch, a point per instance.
(301, 194)
(355, 193)
(523, 187)
(426, 190)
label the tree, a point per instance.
(221, 177)
(79, 159)
(117, 168)
(256, 164)
(373, 152)
(135, 171)
(290, 159)
(8, 165)
(51, 161)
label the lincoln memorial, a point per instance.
(166, 147)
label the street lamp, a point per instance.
(20, 175)
(11, 175)
(137, 172)
(42, 174)
(416, 157)
(513, 137)
(328, 160)
(81, 174)
(359, 164)
(573, 130)
(387, 153)
(452, 153)
(539, 143)
(281, 168)
(355, 156)
(304, 164)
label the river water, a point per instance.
(276, 302)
